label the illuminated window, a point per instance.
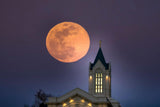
(71, 101)
(98, 82)
(82, 101)
(64, 104)
(89, 104)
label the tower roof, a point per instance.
(101, 58)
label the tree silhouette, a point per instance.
(41, 96)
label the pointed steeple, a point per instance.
(100, 57)
(100, 44)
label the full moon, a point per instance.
(67, 42)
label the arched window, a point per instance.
(98, 83)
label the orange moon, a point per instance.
(67, 42)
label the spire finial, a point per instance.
(100, 44)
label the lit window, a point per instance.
(98, 82)
(71, 100)
(64, 104)
(82, 101)
(89, 104)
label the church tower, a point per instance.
(100, 76)
(99, 94)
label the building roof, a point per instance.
(79, 92)
(101, 58)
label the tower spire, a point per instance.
(100, 43)
(100, 57)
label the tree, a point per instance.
(41, 97)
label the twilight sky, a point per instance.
(130, 34)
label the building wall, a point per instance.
(99, 67)
(74, 102)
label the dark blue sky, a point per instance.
(130, 34)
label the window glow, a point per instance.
(82, 101)
(98, 82)
(71, 101)
(64, 104)
(89, 104)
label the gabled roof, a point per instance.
(81, 93)
(101, 58)
(76, 92)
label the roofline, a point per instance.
(74, 92)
